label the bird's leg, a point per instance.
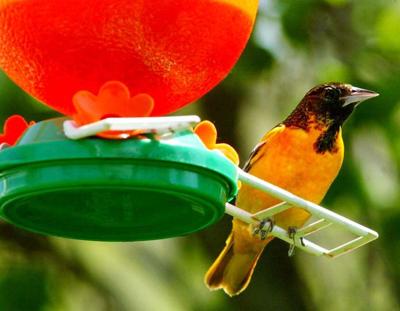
(262, 230)
(292, 231)
(292, 235)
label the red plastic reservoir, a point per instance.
(173, 50)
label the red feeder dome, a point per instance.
(174, 50)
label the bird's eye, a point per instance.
(331, 93)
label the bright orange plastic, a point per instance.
(173, 50)
(13, 129)
(208, 135)
(113, 100)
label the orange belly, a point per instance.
(288, 160)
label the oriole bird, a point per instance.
(303, 155)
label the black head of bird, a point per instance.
(326, 107)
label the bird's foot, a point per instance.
(292, 231)
(264, 228)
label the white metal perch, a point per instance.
(165, 125)
(327, 217)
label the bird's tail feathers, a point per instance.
(232, 271)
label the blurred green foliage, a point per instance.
(24, 288)
(295, 45)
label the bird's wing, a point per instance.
(259, 149)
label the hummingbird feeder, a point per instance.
(115, 168)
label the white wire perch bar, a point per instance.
(327, 217)
(165, 125)
(159, 125)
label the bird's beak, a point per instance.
(358, 95)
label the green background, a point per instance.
(296, 45)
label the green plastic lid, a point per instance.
(113, 190)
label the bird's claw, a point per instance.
(264, 228)
(292, 231)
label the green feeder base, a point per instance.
(112, 190)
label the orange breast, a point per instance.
(289, 161)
